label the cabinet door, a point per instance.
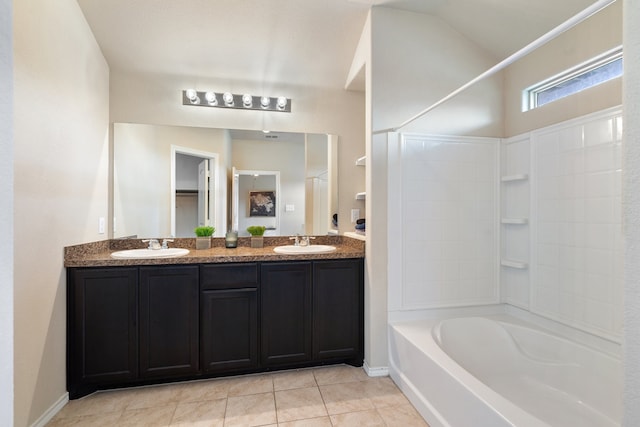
(102, 326)
(168, 321)
(286, 312)
(229, 329)
(338, 321)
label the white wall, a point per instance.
(156, 99)
(61, 184)
(289, 159)
(417, 60)
(596, 35)
(142, 175)
(6, 213)
(414, 60)
(631, 218)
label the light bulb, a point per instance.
(282, 102)
(265, 101)
(191, 94)
(247, 100)
(211, 98)
(228, 99)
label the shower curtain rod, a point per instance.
(576, 19)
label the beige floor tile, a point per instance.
(96, 403)
(356, 419)
(346, 397)
(251, 410)
(198, 391)
(402, 416)
(151, 397)
(313, 422)
(200, 414)
(99, 420)
(148, 417)
(336, 374)
(299, 404)
(252, 384)
(383, 392)
(361, 374)
(288, 380)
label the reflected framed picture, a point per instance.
(262, 203)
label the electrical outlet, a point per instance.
(355, 215)
(101, 225)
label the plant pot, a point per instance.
(257, 241)
(203, 242)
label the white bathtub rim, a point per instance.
(511, 323)
(504, 408)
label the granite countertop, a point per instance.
(98, 254)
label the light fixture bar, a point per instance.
(240, 102)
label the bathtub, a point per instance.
(493, 372)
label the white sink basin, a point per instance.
(150, 253)
(297, 250)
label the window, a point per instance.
(603, 68)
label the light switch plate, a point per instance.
(355, 215)
(101, 225)
(289, 208)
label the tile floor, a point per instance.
(329, 396)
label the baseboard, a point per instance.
(381, 371)
(52, 411)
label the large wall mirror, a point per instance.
(169, 179)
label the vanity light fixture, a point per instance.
(247, 100)
(211, 98)
(281, 103)
(192, 96)
(230, 100)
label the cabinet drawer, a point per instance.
(228, 276)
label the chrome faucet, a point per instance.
(153, 244)
(306, 240)
(165, 243)
(297, 240)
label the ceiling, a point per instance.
(299, 42)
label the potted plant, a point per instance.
(257, 238)
(203, 237)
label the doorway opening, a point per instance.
(195, 198)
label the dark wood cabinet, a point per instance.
(149, 324)
(169, 323)
(286, 312)
(102, 336)
(229, 317)
(338, 306)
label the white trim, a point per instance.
(379, 371)
(52, 411)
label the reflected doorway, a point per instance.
(193, 191)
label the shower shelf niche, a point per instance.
(514, 264)
(515, 221)
(516, 177)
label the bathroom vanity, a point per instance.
(210, 314)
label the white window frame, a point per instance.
(530, 94)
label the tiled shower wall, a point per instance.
(539, 228)
(576, 234)
(449, 196)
